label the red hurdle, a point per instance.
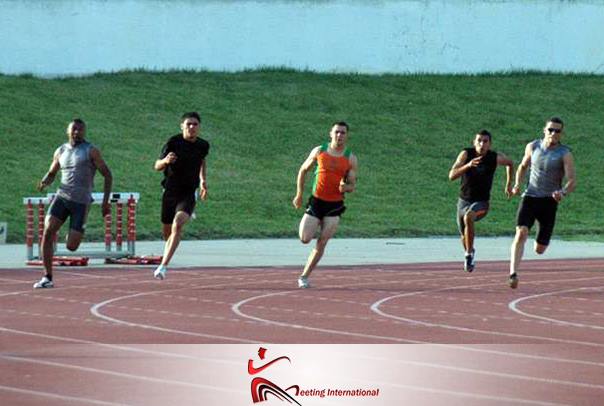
(110, 251)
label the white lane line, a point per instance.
(237, 309)
(237, 306)
(513, 306)
(375, 307)
(118, 347)
(60, 397)
(15, 293)
(162, 381)
(95, 310)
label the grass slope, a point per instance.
(405, 129)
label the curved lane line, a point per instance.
(375, 307)
(236, 308)
(513, 306)
(95, 310)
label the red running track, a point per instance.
(542, 343)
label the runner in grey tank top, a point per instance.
(547, 169)
(78, 161)
(550, 162)
(77, 172)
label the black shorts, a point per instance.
(320, 208)
(542, 209)
(62, 208)
(171, 203)
(481, 208)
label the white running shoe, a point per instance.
(303, 283)
(160, 272)
(44, 283)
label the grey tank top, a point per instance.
(77, 172)
(547, 169)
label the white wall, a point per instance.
(60, 37)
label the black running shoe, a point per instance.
(513, 281)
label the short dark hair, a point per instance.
(341, 124)
(191, 114)
(485, 132)
(556, 120)
(78, 121)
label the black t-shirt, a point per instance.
(476, 183)
(183, 175)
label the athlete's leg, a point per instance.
(540, 248)
(166, 230)
(468, 235)
(74, 238)
(173, 240)
(308, 228)
(547, 220)
(328, 229)
(459, 217)
(517, 249)
(51, 227)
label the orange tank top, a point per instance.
(328, 174)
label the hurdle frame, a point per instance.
(130, 199)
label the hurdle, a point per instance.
(112, 253)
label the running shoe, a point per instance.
(44, 283)
(468, 264)
(160, 272)
(303, 283)
(513, 281)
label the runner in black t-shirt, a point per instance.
(476, 166)
(183, 161)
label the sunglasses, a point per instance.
(554, 130)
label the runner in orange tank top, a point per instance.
(335, 175)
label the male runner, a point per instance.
(550, 162)
(476, 166)
(78, 161)
(335, 175)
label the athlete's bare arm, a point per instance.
(51, 174)
(203, 189)
(569, 173)
(348, 184)
(308, 164)
(522, 168)
(161, 164)
(503, 160)
(459, 168)
(100, 164)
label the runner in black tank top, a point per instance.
(476, 166)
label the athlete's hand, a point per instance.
(297, 202)
(558, 196)
(41, 186)
(515, 190)
(170, 158)
(106, 209)
(203, 191)
(509, 192)
(475, 162)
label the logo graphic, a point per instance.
(261, 387)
